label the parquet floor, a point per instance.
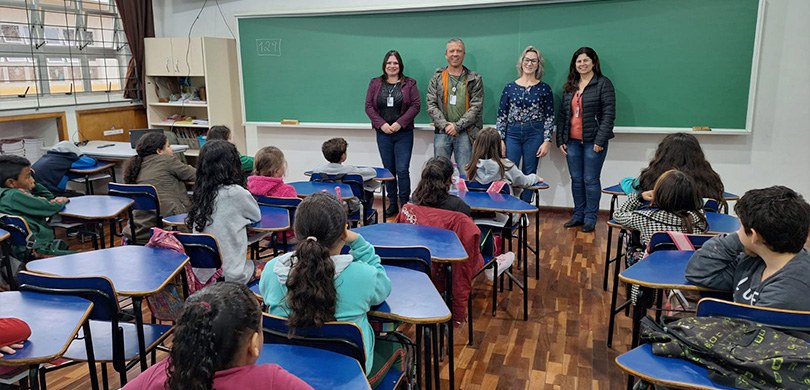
(561, 346)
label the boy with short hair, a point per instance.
(334, 151)
(764, 263)
(22, 196)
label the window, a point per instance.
(61, 52)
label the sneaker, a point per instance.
(392, 210)
(573, 222)
(504, 262)
(588, 227)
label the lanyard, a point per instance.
(394, 88)
(577, 104)
(458, 80)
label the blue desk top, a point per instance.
(4, 235)
(413, 298)
(661, 269)
(485, 201)
(539, 186)
(320, 368)
(134, 270)
(671, 372)
(273, 219)
(98, 167)
(54, 320)
(307, 188)
(616, 189)
(722, 223)
(96, 207)
(443, 244)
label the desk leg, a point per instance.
(136, 306)
(537, 235)
(450, 354)
(437, 354)
(419, 377)
(639, 310)
(87, 187)
(33, 376)
(91, 356)
(100, 229)
(523, 238)
(112, 233)
(382, 185)
(428, 348)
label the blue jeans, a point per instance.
(522, 142)
(585, 167)
(445, 145)
(395, 152)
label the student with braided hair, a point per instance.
(216, 345)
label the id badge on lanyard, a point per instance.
(453, 100)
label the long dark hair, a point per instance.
(320, 222)
(675, 192)
(682, 151)
(218, 132)
(573, 76)
(487, 146)
(435, 183)
(215, 324)
(218, 165)
(401, 74)
(147, 146)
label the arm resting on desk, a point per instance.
(714, 264)
(363, 252)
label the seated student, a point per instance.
(674, 206)
(316, 284)
(217, 341)
(334, 151)
(20, 195)
(224, 133)
(268, 176)
(13, 331)
(488, 164)
(52, 168)
(765, 262)
(679, 151)
(156, 164)
(222, 207)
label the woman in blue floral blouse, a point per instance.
(526, 114)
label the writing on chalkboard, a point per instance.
(268, 47)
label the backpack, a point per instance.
(737, 352)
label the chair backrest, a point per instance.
(344, 338)
(775, 318)
(712, 205)
(475, 186)
(416, 258)
(144, 195)
(202, 250)
(17, 228)
(663, 241)
(291, 204)
(96, 289)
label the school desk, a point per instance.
(504, 203)
(274, 219)
(84, 174)
(97, 209)
(381, 175)
(320, 368)
(135, 271)
(54, 321)
(616, 190)
(307, 188)
(118, 150)
(666, 371)
(537, 187)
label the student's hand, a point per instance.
(60, 199)
(386, 128)
(647, 195)
(350, 236)
(10, 349)
(597, 148)
(451, 130)
(564, 150)
(395, 127)
(542, 151)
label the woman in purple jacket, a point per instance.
(392, 102)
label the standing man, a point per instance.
(455, 99)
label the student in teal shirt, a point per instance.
(316, 284)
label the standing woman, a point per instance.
(392, 102)
(526, 114)
(587, 110)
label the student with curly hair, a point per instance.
(216, 344)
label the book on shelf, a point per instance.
(189, 136)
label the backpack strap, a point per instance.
(496, 186)
(681, 241)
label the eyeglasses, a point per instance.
(530, 61)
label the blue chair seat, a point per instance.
(667, 371)
(391, 380)
(102, 341)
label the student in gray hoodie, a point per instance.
(765, 262)
(489, 165)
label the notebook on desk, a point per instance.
(136, 134)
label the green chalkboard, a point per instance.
(674, 63)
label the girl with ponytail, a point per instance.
(675, 205)
(156, 164)
(315, 283)
(216, 344)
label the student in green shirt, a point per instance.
(224, 133)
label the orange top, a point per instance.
(576, 118)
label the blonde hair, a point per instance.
(269, 160)
(541, 62)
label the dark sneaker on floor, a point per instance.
(572, 222)
(588, 227)
(391, 211)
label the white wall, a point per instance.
(777, 152)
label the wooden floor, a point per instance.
(561, 346)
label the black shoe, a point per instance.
(588, 227)
(572, 222)
(392, 210)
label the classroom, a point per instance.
(558, 330)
